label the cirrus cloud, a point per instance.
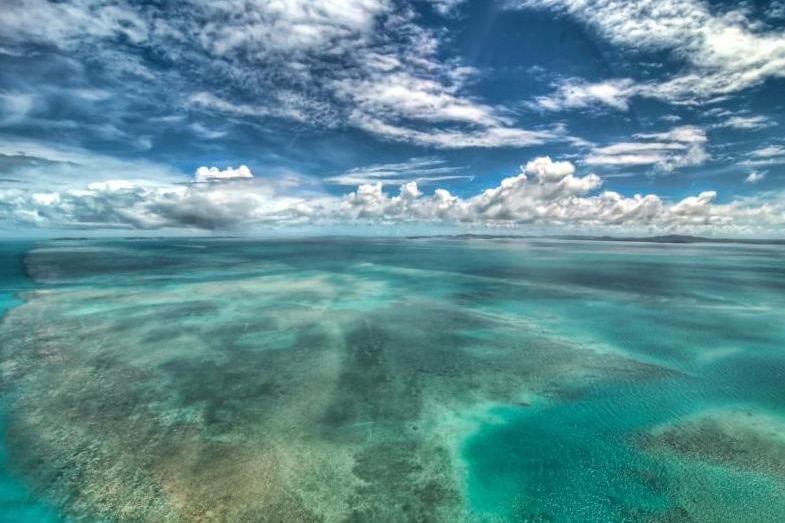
(679, 147)
(724, 52)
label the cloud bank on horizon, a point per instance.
(636, 116)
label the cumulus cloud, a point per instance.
(546, 170)
(545, 193)
(121, 204)
(538, 194)
(210, 174)
(678, 147)
(548, 193)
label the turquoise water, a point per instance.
(17, 502)
(393, 380)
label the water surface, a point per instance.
(393, 380)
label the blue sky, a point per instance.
(602, 116)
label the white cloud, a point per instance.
(283, 108)
(747, 122)
(679, 147)
(392, 82)
(67, 23)
(688, 134)
(48, 166)
(368, 64)
(404, 92)
(222, 27)
(755, 177)
(407, 96)
(210, 174)
(543, 198)
(776, 10)
(546, 170)
(420, 170)
(210, 101)
(286, 26)
(446, 7)
(767, 155)
(545, 193)
(725, 52)
(205, 132)
(122, 204)
(769, 151)
(490, 137)
(576, 94)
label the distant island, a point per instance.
(669, 238)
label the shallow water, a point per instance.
(17, 502)
(393, 380)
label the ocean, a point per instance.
(348, 379)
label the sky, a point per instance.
(521, 116)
